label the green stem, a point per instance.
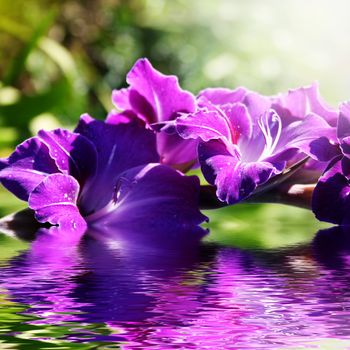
(295, 195)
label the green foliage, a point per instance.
(9, 203)
(65, 60)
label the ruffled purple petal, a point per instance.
(322, 149)
(125, 117)
(345, 146)
(177, 152)
(74, 154)
(257, 106)
(291, 105)
(331, 200)
(298, 103)
(345, 167)
(320, 107)
(27, 166)
(239, 120)
(263, 144)
(227, 122)
(203, 124)
(152, 95)
(235, 180)
(121, 99)
(221, 96)
(153, 196)
(119, 148)
(343, 128)
(54, 201)
(312, 136)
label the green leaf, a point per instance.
(20, 60)
(20, 113)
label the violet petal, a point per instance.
(345, 167)
(312, 136)
(74, 154)
(343, 128)
(204, 124)
(26, 167)
(239, 120)
(54, 200)
(124, 117)
(235, 180)
(221, 96)
(153, 196)
(119, 147)
(298, 103)
(331, 200)
(177, 152)
(153, 95)
(257, 105)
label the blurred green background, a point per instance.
(61, 58)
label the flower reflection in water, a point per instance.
(170, 293)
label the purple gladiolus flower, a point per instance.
(156, 98)
(245, 138)
(331, 197)
(100, 175)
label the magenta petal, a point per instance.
(204, 124)
(54, 200)
(298, 103)
(174, 150)
(153, 196)
(319, 107)
(239, 120)
(234, 185)
(343, 127)
(121, 99)
(213, 148)
(153, 95)
(125, 117)
(177, 152)
(119, 148)
(312, 136)
(74, 154)
(235, 180)
(27, 166)
(291, 104)
(257, 105)
(227, 122)
(221, 96)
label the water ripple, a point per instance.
(104, 296)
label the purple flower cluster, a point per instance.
(245, 138)
(128, 171)
(101, 175)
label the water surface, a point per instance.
(110, 292)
